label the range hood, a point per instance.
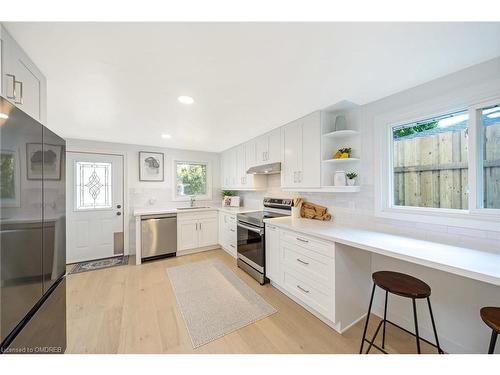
(265, 169)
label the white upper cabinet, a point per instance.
(274, 151)
(292, 149)
(302, 153)
(268, 148)
(310, 168)
(235, 162)
(22, 82)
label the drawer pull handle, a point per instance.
(303, 262)
(302, 240)
(304, 290)
(232, 230)
(232, 246)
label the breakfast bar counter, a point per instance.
(467, 262)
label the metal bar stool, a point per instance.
(405, 286)
(491, 316)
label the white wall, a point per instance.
(142, 194)
(456, 300)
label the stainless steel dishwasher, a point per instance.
(158, 236)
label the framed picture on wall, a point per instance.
(46, 158)
(10, 193)
(151, 166)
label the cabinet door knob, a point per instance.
(118, 206)
(118, 213)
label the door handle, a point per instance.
(301, 261)
(118, 213)
(13, 96)
(301, 239)
(200, 226)
(20, 101)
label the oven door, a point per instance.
(251, 245)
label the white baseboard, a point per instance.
(197, 250)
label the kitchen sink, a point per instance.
(191, 208)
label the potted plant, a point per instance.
(351, 178)
(226, 197)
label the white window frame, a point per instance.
(183, 198)
(475, 216)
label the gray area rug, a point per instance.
(99, 264)
(214, 301)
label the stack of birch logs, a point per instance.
(311, 210)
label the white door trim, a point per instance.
(126, 218)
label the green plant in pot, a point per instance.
(351, 178)
(226, 197)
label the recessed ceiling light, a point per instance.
(185, 99)
(4, 116)
(166, 136)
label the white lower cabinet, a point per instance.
(304, 268)
(196, 230)
(227, 232)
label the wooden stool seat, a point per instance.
(491, 316)
(401, 284)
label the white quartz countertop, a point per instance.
(472, 263)
(159, 211)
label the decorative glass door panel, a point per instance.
(93, 185)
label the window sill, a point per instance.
(456, 218)
(197, 198)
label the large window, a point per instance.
(192, 180)
(489, 119)
(430, 164)
(442, 168)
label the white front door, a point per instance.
(94, 193)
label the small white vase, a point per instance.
(351, 181)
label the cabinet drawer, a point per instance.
(314, 265)
(322, 247)
(312, 295)
(183, 216)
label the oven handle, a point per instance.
(251, 229)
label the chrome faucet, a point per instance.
(191, 201)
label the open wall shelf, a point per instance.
(341, 134)
(328, 189)
(333, 139)
(341, 161)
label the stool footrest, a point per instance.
(372, 341)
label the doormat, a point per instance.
(99, 264)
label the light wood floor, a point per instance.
(132, 309)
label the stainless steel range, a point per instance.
(251, 236)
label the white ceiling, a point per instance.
(119, 82)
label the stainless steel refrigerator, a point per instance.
(32, 235)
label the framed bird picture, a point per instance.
(43, 157)
(151, 166)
